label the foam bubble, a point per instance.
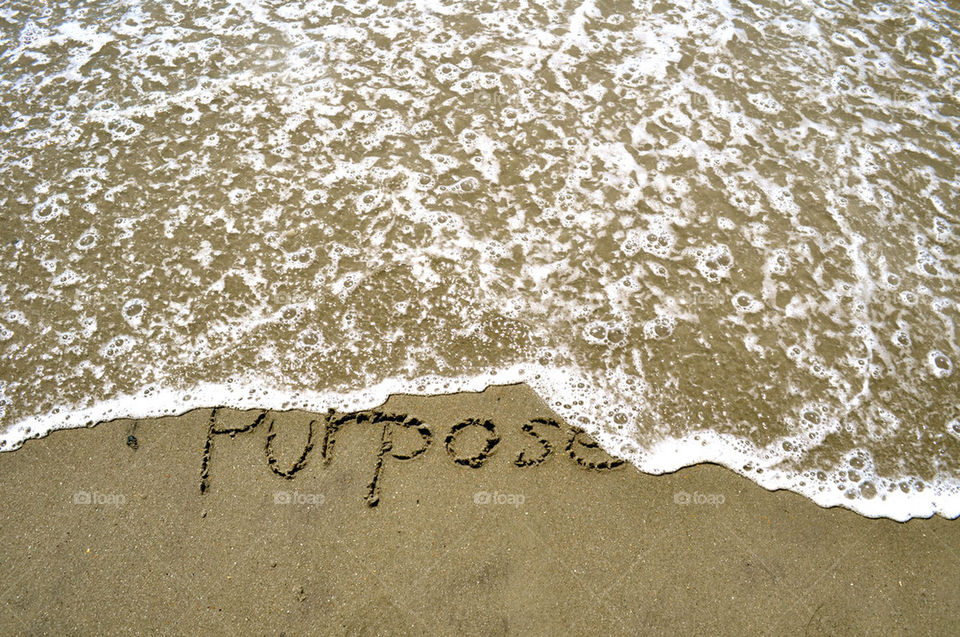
(939, 364)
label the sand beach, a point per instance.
(102, 538)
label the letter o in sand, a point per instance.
(475, 461)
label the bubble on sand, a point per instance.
(939, 364)
(745, 303)
(713, 262)
(117, 346)
(133, 311)
(660, 327)
(901, 339)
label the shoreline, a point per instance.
(922, 501)
(105, 537)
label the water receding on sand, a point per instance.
(702, 231)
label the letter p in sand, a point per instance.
(395, 443)
(212, 431)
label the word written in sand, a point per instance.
(390, 428)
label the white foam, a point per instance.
(660, 207)
(561, 388)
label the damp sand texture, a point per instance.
(102, 539)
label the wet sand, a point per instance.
(101, 537)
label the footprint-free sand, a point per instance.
(399, 521)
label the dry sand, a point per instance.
(560, 548)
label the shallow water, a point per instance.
(700, 230)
